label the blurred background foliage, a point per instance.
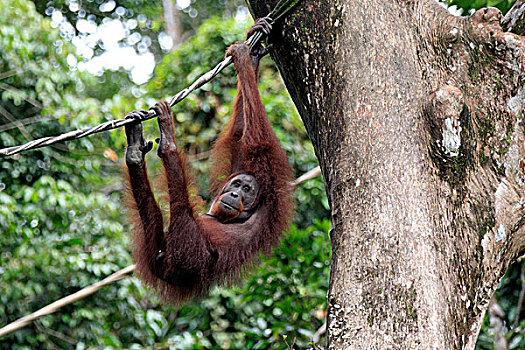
(62, 221)
(470, 5)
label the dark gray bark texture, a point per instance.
(416, 118)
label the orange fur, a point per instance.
(201, 251)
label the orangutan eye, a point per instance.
(246, 188)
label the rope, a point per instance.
(282, 7)
(84, 292)
(53, 307)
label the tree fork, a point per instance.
(415, 116)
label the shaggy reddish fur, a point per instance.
(202, 252)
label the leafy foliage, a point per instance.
(142, 20)
(507, 296)
(58, 235)
(467, 5)
(61, 216)
(61, 220)
(284, 298)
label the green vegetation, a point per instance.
(62, 222)
(63, 225)
(467, 5)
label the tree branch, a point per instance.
(516, 321)
(496, 317)
(514, 20)
(435, 22)
(49, 309)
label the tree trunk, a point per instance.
(173, 22)
(415, 116)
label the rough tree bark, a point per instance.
(415, 116)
